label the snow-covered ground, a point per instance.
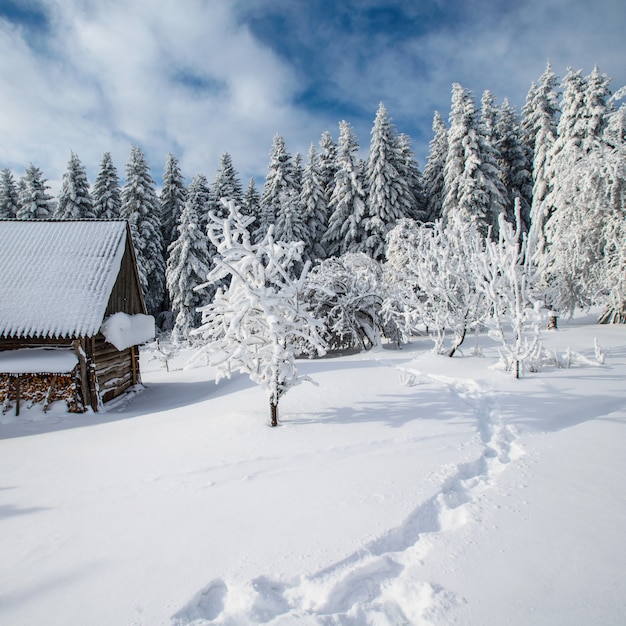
(405, 488)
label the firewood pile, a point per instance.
(44, 389)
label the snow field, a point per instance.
(405, 489)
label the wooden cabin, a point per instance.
(71, 312)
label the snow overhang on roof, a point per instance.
(56, 277)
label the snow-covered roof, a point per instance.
(56, 276)
(38, 361)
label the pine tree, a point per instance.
(226, 186)
(587, 178)
(514, 166)
(188, 262)
(34, 201)
(140, 206)
(315, 209)
(280, 177)
(388, 195)
(74, 201)
(346, 208)
(290, 225)
(539, 128)
(328, 164)
(473, 193)
(9, 200)
(172, 200)
(107, 193)
(433, 172)
(411, 173)
(251, 202)
(489, 116)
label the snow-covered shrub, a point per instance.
(509, 277)
(436, 270)
(345, 294)
(253, 324)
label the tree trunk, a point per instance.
(274, 413)
(552, 322)
(458, 342)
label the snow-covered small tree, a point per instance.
(171, 199)
(142, 210)
(34, 201)
(107, 192)
(440, 265)
(509, 278)
(74, 200)
(346, 207)
(9, 199)
(188, 264)
(345, 293)
(253, 325)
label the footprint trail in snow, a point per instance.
(380, 583)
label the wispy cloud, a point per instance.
(200, 77)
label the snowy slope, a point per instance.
(405, 489)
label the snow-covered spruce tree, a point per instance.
(314, 207)
(280, 178)
(251, 201)
(441, 266)
(345, 293)
(34, 201)
(107, 193)
(614, 182)
(327, 164)
(514, 165)
(579, 201)
(433, 172)
(540, 117)
(473, 192)
(346, 207)
(253, 325)
(226, 186)
(140, 206)
(509, 277)
(171, 199)
(74, 201)
(290, 225)
(9, 200)
(411, 173)
(188, 263)
(389, 197)
(489, 116)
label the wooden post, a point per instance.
(51, 389)
(84, 377)
(133, 357)
(17, 395)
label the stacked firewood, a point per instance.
(39, 389)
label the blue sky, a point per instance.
(201, 77)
